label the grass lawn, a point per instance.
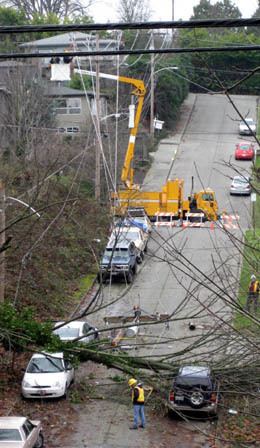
(251, 264)
(84, 285)
(251, 255)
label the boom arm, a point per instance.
(127, 175)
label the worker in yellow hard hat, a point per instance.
(138, 402)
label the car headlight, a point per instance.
(57, 384)
(26, 384)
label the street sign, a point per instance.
(158, 124)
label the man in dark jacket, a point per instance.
(138, 402)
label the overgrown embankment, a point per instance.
(52, 258)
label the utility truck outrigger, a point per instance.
(170, 200)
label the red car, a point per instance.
(244, 151)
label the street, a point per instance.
(182, 264)
(190, 273)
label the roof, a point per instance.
(67, 91)
(12, 64)
(121, 244)
(4, 89)
(59, 39)
(74, 324)
(194, 371)
(64, 91)
(66, 39)
(11, 422)
(51, 355)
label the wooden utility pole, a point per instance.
(172, 18)
(152, 88)
(97, 121)
(2, 241)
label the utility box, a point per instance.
(60, 72)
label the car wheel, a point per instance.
(66, 393)
(40, 441)
(196, 398)
(129, 277)
(139, 259)
(134, 269)
(101, 278)
(213, 416)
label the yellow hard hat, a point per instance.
(132, 382)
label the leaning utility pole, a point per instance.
(97, 126)
(2, 242)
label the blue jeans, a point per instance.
(139, 413)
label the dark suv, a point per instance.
(119, 260)
(194, 389)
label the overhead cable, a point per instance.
(137, 51)
(209, 23)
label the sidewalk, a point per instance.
(164, 157)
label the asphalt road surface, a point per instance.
(192, 273)
(188, 273)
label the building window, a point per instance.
(67, 106)
(70, 130)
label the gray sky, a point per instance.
(105, 10)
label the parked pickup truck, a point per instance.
(123, 235)
(119, 261)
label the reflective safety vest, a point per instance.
(254, 287)
(140, 398)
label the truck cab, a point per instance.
(205, 201)
(119, 261)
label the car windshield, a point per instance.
(249, 120)
(245, 146)
(240, 180)
(8, 435)
(188, 383)
(67, 332)
(208, 197)
(45, 365)
(117, 253)
(132, 235)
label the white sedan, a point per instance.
(74, 330)
(240, 186)
(47, 375)
(247, 128)
(20, 432)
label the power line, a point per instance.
(137, 51)
(209, 23)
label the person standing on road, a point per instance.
(253, 294)
(138, 402)
(137, 313)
